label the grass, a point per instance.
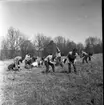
(32, 87)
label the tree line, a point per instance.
(17, 44)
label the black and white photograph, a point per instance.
(51, 52)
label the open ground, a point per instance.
(32, 87)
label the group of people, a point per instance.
(33, 61)
(51, 60)
(28, 62)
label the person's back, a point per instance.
(17, 61)
(49, 61)
(71, 59)
(72, 55)
(84, 53)
(17, 58)
(48, 58)
(85, 56)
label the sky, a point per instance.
(73, 19)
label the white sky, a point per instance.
(73, 19)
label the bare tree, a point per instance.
(91, 41)
(80, 47)
(71, 45)
(61, 43)
(92, 44)
(41, 41)
(4, 51)
(11, 44)
(27, 48)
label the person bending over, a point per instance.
(84, 57)
(17, 60)
(71, 59)
(49, 61)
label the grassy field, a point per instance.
(32, 87)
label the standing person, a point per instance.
(90, 51)
(49, 62)
(90, 54)
(58, 57)
(71, 59)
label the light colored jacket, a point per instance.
(16, 60)
(84, 54)
(49, 59)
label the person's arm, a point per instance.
(48, 59)
(66, 58)
(77, 55)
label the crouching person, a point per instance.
(17, 61)
(15, 66)
(71, 59)
(28, 61)
(48, 61)
(11, 66)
